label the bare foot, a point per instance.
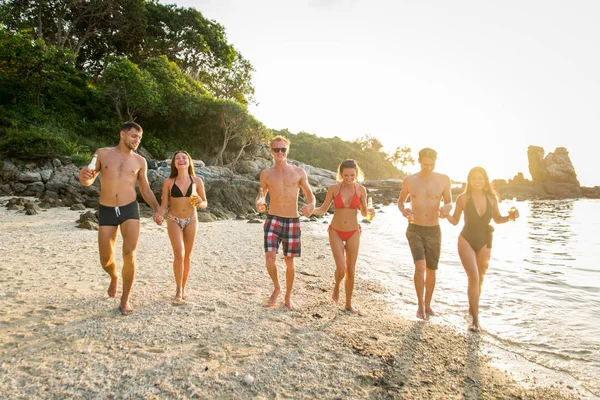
(335, 295)
(177, 301)
(430, 312)
(290, 304)
(112, 288)
(474, 327)
(126, 309)
(421, 313)
(353, 310)
(273, 299)
(183, 294)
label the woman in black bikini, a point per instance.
(480, 204)
(344, 232)
(181, 219)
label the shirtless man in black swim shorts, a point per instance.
(426, 190)
(119, 169)
(283, 183)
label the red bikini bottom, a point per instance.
(345, 235)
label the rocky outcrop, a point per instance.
(231, 191)
(555, 172)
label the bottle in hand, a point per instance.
(194, 198)
(92, 164)
(262, 201)
(513, 210)
(370, 209)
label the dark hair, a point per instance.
(428, 152)
(349, 163)
(190, 167)
(127, 126)
(488, 189)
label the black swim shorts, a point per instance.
(115, 216)
(425, 243)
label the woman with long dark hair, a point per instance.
(479, 202)
(182, 192)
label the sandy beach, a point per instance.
(62, 337)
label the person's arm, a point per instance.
(201, 192)
(460, 206)
(363, 200)
(498, 218)
(447, 197)
(166, 189)
(145, 190)
(260, 208)
(326, 203)
(88, 176)
(404, 193)
(307, 209)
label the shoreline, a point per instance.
(63, 337)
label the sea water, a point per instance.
(541, 295)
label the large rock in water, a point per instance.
(555, 172)
(555, 167)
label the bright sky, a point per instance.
(478, 81)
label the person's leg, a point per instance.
(483, 261)
(290, 274)
(430, 279)
(468, 259)
(107, 236)
(337, 250)
(433, 247)
(291, 241)
(352, 246)
(189, 238)
(419, 281)
(176, 238)
(417, 249)
(130, 230)
(270, 258)
(271, 242)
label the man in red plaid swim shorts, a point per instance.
(283, 183)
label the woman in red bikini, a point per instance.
(344, 232)
(177, 191)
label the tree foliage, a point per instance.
(328, 153)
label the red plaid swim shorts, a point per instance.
(286, 230)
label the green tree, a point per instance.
(402, 157)
(131, 90)
(368, 142)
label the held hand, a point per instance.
(307, 210)
(445, 210)
(516, 214)
(261, 207)
(158, 218)
(87, 173)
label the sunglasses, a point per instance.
(279, 149)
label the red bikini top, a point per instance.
(339, 203)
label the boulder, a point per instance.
(559, 167)
(555, 167)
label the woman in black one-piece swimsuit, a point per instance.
(480, 204)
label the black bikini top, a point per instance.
(176, 192)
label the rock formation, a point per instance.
(555, 172)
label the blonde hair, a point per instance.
(352, 164)
(279, 138)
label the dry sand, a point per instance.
(62, 337)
